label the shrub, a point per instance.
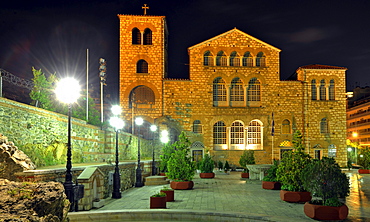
(271, 173)
(227, 166)
(207, 164)
(247, 158)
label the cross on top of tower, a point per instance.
(145, 8)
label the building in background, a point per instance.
(234, 99)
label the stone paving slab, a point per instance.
(229, 194)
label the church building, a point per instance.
(234, 99)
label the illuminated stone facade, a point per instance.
(233, 95)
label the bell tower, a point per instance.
(143, 65)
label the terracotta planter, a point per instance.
(295, 197)
(186, 185)
(363, 171)
(319, 212)
(207, 175)
(245, 175)
(170, 195)
(158, 202)
(162, 174)
(271, 185)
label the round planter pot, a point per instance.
(158, 202)
(207, 175)
(185, 185)
(270, 185)
(245, 175)
(170, 195)
(363, 171)
(319, 212)
(295, 197)
(162, 174)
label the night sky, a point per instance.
(54, 35)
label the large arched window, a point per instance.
(322, 90)
(324, 125)
(219, 90)
(142, 96)
(254, 90)
(219, 133)
(208, 59)
(285, 127)
(234, 59)
(260, 60)
(332, 90)
(237, 135)
(197, 126)
(142, 66)
(136, 36)
(254, 135)
(147, 36)
(221, 59)
(247, 59)
(313, 90)
(236, 91)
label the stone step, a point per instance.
(155, 183)
(156, 180)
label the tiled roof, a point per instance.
(317, 66)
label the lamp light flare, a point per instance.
(139, 121)
(153, 128)
(116, 122)
(68, 90)
(116, 110)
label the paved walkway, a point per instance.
(229, 194)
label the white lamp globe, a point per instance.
(116, 110)
(116, 122)
(139, 121)
(68, 90)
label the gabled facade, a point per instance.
(233, 96)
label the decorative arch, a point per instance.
(286, 127)
(141, 97)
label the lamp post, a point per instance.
(118, 124)
(68, 91)
(153, 128)
(139, 183)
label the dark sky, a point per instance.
(53, 35)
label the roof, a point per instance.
(229, 32)
(318, 66)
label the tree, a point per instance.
(42, 94)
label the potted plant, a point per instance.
(206, 167)
(220, 165)
(364, 160)
(181, 169)
(170, 193)
(227, 167)
(246, 158)
(158, 200)
(325, 180)
(167, 150)
(270, 182)
(197, 166)
(289, 171)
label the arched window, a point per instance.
(136, 36)
(322, 90)
(219, 133)
(237, 133)
(234, 59)
(254, 90)
(332, 90)
(254, 135)
(197, 126)
(142, 96)
(285, 127)
(247, 59)
(313, 90)
(142, 66)
(260, 60)
(208, 59)
(147, 36)
(236, 91)
(219, 90)
(221, 59)
(324, 126)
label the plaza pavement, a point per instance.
(227, 197)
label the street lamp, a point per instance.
(118, 124)
(153, 128)
(139, 183)
(164, 136)
(68, 91)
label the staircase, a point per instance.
(156, 180)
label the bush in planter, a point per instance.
(364, 158)
(220, 165)
(271, 173)
(292, 164)
(207, 164)
(180, 167)
(325, 180)
(167, 150)
(247, 158)
(227, 166)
